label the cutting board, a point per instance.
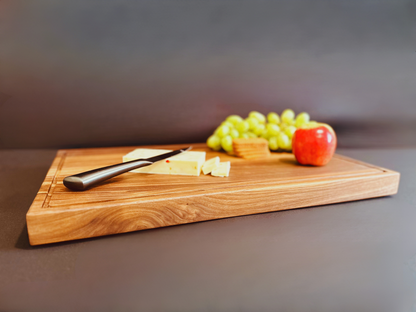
(136, 201)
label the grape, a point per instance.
(289, 131)
(242, 126)
(228, 124)
(302, 119)
(289, 147)
(288, 115)
(273, 129)
(273, 118)
(278, 130)
(252, 122)
(273, 145)
(214, 142)
(234, 134)
(283, 141)
(234, 119)
(265, 134)
(259, 116)
(227, 143)
(223, 131)
(259, 129)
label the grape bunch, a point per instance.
(277, 130)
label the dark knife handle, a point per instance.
(82, 181)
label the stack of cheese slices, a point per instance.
(252, 148)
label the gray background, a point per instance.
(108, 73)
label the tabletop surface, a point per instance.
(357, 256)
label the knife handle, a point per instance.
(84, 180)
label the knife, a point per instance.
(84, 180)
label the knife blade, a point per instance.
(88, 179)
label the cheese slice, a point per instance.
(210, 164)
(222, 170)
(186, 163)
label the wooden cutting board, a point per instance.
(135, 201)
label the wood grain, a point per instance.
(135, 201)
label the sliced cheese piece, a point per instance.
(186, 163)
(222, 170)
(210, 164)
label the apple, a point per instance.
(314, 144)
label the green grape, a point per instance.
(289, 131)
(234, 119)
(214, 142)
(259, 116)
(227, 143)
(223, 131)
(252, 123)
(289, 147)
(273, 145)
(244, 136)
(312, 123)
(288, 116)
(251, 134)
(302, 119)
(273, 129)
(234, 134)
(242, 126)
(273, 118)
(259, 129)
(265, 134)
(284, 126)
(228, 124)
(283, 141)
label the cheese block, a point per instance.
(210, 164)
(186, 163)
(222, 170)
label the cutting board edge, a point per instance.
(39, 204)
(377, 185)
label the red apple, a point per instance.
(314, 144)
